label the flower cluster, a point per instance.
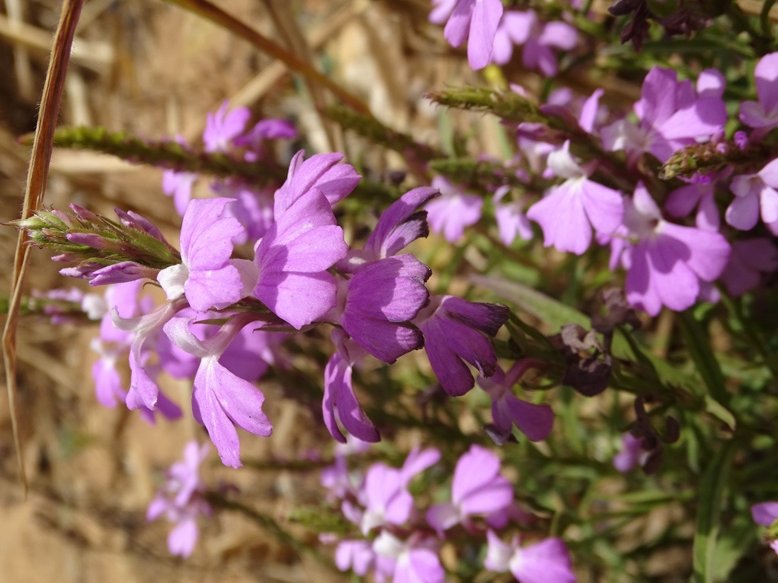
(492, 32)
(181, 500)
(598, 168)
(221, 307)
(401, 538)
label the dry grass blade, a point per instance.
(37, 176)
(290, 59)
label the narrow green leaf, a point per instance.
(686, 387)
(712, 498)
(535, 303)
(704, 359)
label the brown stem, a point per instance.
(37, 176)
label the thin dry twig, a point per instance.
(94, 55)
(21, 56)
(37, 177)
(218, 16)
(288, 28)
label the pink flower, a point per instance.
(476, 21)
(538, 39)
(750, 259)
(672, 115)
(207, 275)
(568, 211)
(221, 399)
(294, 256)
(763, 114)
(755, 195)
(454, 210)
(511, 220)
(631, 454)
(410, 561)
(700, 194)
(765, 513)
(667, 263)
(179, 186)
(181, 501)
(545, 562)
(223, 126)
(477, 488)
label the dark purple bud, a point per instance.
(672, 430)
(653, 462)
(588, 367)
(624, 7)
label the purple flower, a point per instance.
(223, 126)
(700, 194)
(672, 115)
(534, 421)
(545, 562)
(511, 220)
(337, 478)
(399, 225)
(765, 513)
(568, 211)
(387, 501)
(631, 454)
(179, 186)
(253, 208)
(750, 259)
(385, 491)
(457, 332)
(221, 399)
(755, 195)
(539, 40)
(411, 561)
(144, 391)
(381, 299)
(477, 488)
(441, 10)
(666, 262)
(476, 21)
(355, 555)
(266, 129)
(324, 173)
(339, 402)
(453, 210)
(385, 292)
(763, 115)
(181, 501)
(207, 275)
(304, 242)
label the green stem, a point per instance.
(166, 154)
